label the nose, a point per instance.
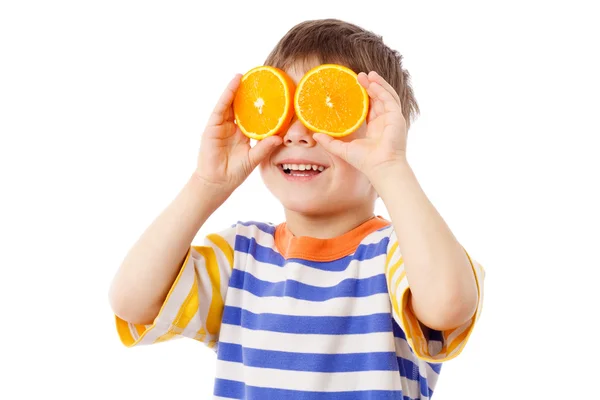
(298, 135)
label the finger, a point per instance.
(262, 149)
(375, 77)
(375, 108)
(387, 102)
(378, 107)
(219, 114)
(363, 79)
(372, 113)
(334, 146)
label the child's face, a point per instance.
(339, 187)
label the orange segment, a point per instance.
(263, 103)
(330, 100)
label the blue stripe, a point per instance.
(410, 370)
(260, 253)
(265, 227)
(238, 390)
(437, 367)
(398, 332)
(310, 362)
(325, 363)
(363, 252)
(269, 255)
(372, 250)
(347, 288)
(309, 325)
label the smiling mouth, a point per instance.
(302, 169)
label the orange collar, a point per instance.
(323, 250)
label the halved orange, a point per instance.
(263, 103)
(330, 100)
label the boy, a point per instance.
(319, 306)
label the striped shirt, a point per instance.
(304, 318)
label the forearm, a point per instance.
(149, 269)
(441, 279)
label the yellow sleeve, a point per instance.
(194, 305)
(441, 346)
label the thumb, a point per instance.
(262, 149)
(334, 146)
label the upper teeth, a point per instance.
(303, 167)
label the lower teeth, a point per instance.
(298, 173)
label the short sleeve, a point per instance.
(434, 346)
(194, 305)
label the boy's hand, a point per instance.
(385, 139)
(226, 158)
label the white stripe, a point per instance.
(391, 233)
(394, 259)
(154, 333)
(314, 381)
(411, 388)
(479, 276)
(240, 259)
(262, 238)
(426, 371)
(403, 286)
(479, 270)
(457, 332)
(172, 305)
(132, 331)
(204, 289)
(191, 330)
(336, 307)
(180, 291)
(309, 343)
(313, 276)
(452, 337)
(397, 274)
(224, 269)
(403, 350)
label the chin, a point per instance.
(312, 208)
(318, 198)
(321, 204)
(305, 202)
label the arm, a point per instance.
(143, 280)
(442, 283)
(150, 268)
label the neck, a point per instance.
(327, 226)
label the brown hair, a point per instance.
(335, 41)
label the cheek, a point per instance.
(264, 172)
(349, 179)
(268, 175)
(263, 166)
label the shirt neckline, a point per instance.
(315, 249)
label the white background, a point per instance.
(102, 105)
